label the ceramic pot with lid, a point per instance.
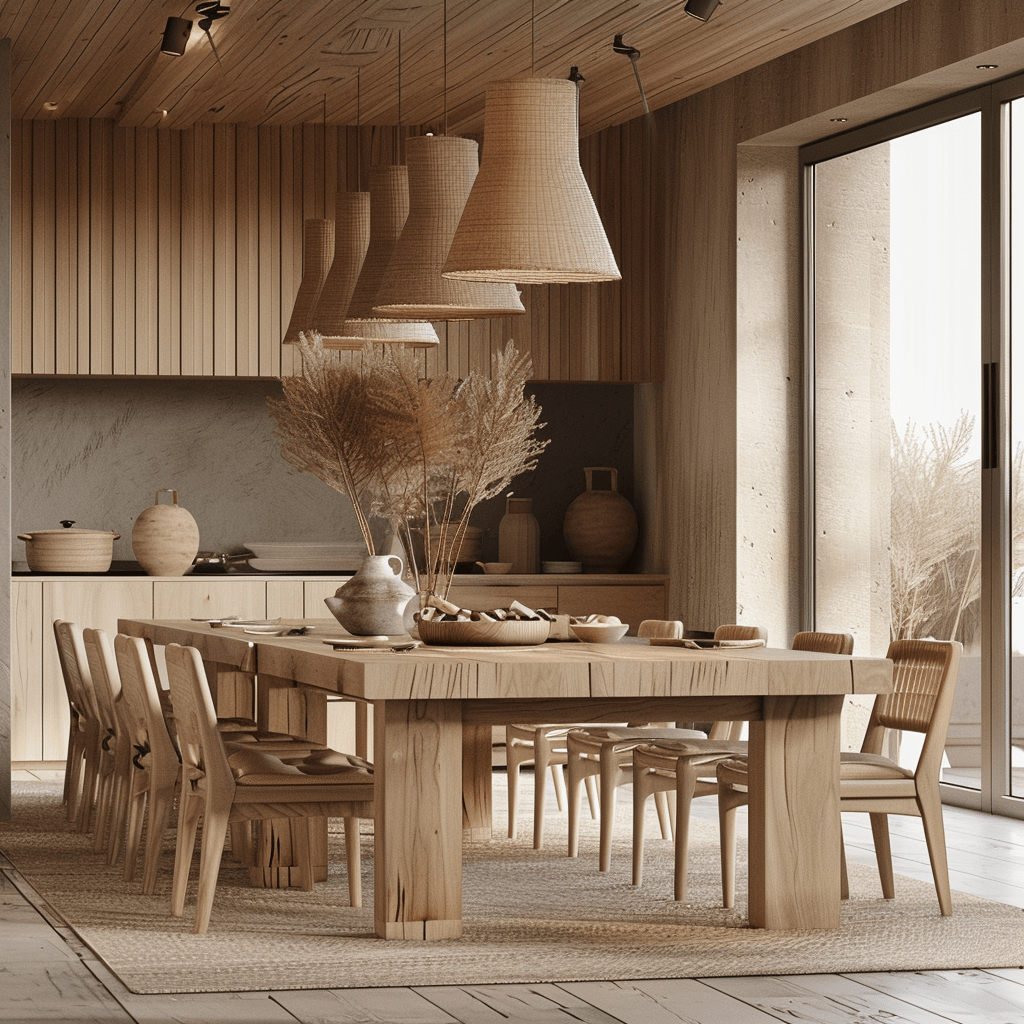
(69, 550)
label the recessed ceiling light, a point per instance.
(839, 120)
(50, 105)
(987, 67)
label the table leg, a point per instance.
(794, 829)
(477, 805)
(417, 867)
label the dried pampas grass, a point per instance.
(405, 448)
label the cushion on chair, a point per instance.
(328, 762)
(252, 767)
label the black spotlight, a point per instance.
(176, 36)
(701, 9)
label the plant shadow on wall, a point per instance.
(935, 546)
(417, 452)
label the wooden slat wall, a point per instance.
(146, 252)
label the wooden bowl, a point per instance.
(599, 632)
(507, 633)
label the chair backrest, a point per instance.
(668, 629)
(199, 742)
(924, 674)
(105, 679)
(146, 722)
(75, 666)
(72, 685)
(737, 632)
(824, 643)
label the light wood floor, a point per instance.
(47, 975)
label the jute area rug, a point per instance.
(530, 916)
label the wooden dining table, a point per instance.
(425, 700)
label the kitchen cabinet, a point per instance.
(39, 711)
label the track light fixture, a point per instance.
(701, 9)
(178, 30)
(176, 36)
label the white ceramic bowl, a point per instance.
(599, 632)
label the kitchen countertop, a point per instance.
(460, 579)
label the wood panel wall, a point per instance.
(699, 516)
(149, 252)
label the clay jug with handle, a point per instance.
(165, 538)
(600, 527)
(373, 602)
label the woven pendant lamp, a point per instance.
(317, 252)
(442, 170)
(351, 240)
(389, 208)
(530, 217)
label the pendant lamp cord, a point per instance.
(444, 58)
(359, 135)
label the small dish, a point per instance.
(599, 632)
(495, 568)
(375, 643)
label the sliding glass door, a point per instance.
(917, 520)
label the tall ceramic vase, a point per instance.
(373, 602)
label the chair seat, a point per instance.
(602, 736)
(258, 768)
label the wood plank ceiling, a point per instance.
(290, 62)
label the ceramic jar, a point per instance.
(165, 538)
(373, 602)
(600, 526)
(519, 536)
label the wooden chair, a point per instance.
(545, 747)
(687, 767)
(157, 768)
(83, 719)
(224, 783)
(924, 681)
(116, 768)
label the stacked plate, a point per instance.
(306, 556)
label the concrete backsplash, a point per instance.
(96, 451)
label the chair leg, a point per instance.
(883, 854)
(215, 830)
(189, 812)
(161, 801)
(137, 801)
(574, 779)
(119, 797)
(355, 878)
(106, 785)
(844, 877)
(728, 800)
(609, 779)
(512, 778)
(686, 783)
(642, 787)
(668, 827)
(935, 836)
(558, 778)
(541, 760)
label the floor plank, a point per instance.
(524, 1004)
(969, 997)
(362, 1006)
(824, 999)
(672, 1001)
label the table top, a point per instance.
(568, 670)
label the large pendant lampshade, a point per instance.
(389, 208)
(530, 217)
(351, 240)
(317, 251)
(442, 170)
